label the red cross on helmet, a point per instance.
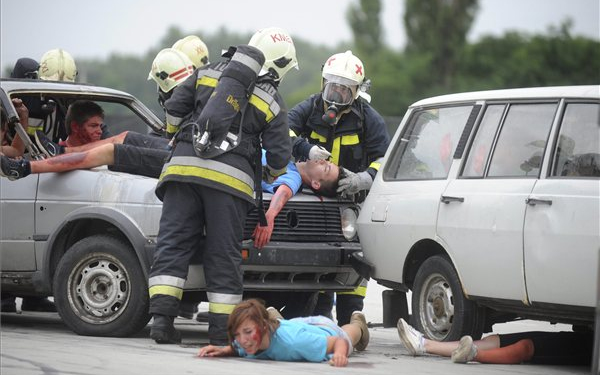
(343, 74)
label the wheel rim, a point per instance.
(99, 288)
(436, 307)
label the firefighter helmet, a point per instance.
(194, 48)
(343, 76)
(169, 68)
(279, 50)
(57, 65)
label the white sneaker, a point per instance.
(413, 340)
(465, 352)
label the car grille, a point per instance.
(303, 222)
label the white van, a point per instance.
(487, 207)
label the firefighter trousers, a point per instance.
(199, 218)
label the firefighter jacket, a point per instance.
(357, 142)
(265, 120)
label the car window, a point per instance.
(119, 118)
(482, 144)
(577, 153)
(520, 147)
(425, 149)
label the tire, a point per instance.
(100, 288)
(439, 307)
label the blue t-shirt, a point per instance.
(291, 178)
(295, 340)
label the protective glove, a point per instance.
(267, 176)
(352, 183)
(318, 153)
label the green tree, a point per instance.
(439, 28)
(363, 19)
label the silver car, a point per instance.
(487, 208)
(87, 237)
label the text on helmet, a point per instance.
(280, 38)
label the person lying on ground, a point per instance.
(257, 333)
(554, 348)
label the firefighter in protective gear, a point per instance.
(339, 124)
(57, 65)
(169, 68)
(193, 189)
(194, 48)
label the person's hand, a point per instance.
(352, 183)
(22, 110)
(318, 153)
(262, 235)
(214, 351)
(339, 360)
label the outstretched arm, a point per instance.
(339, 347)
(262, 235)
(217, 351)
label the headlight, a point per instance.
(349, 216)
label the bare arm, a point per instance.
(339, 347)
(262, 235)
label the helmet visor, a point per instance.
(337, 93)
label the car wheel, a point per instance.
(439, 307)
(100, 289)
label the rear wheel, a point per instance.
(440, 309)
(100, 289)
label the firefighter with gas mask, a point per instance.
(208, 185)
(339, 124)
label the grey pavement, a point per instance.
(39, 343)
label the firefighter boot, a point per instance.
(163, 331)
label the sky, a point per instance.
(96, 29)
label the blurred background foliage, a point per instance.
(437, 58)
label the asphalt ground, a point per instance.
(39, 343)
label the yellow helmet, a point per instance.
(57, 65)
(279, 50)
(169, 68)
(194, 48)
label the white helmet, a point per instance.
(279, 50)
(57, 65)
(194, 48)
(169, 68)
(343, 76)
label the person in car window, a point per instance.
(259, 333)
(556, 348)
(13, 147)
(128, 152)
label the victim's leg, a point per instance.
(519, 352)
(103, 155)
(445, 348)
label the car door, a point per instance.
(481, 216)
(402, 211)
(17, 221)
(562, 228)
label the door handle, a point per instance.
(534, 201)
(447, 199)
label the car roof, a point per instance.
(23, 85)
(591, 91)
